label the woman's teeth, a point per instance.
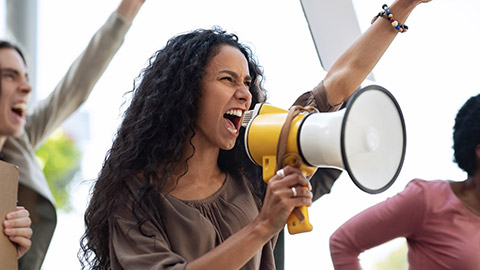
(234, 112)
(233, 130)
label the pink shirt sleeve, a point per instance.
(395, 217)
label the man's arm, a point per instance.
(76, 85)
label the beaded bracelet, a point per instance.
(387, 14)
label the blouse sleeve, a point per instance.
(318, 99)
(398, 216)
(130, 249)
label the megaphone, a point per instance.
(367, 139)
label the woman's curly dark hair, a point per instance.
(149, 143)
(466, 135)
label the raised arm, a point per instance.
(80, 79)
(353, 66)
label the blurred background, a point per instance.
(431, 70)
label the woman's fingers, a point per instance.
(290, 176)
(286, 190)
(303, 195)
(290, 184)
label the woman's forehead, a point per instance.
(229, 58)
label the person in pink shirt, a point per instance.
(440, 219)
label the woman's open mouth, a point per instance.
(233, 116)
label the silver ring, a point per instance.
(294, 191)
(280, 173)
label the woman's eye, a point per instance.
(248, 84)
(227, 79)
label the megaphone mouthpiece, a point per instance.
(247, 117)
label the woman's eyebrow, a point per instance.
(234, 74)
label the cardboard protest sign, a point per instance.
(8, 203)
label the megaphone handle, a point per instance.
(293, 222)
(295, 225)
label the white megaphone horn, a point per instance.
(367, 139)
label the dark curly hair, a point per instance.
(150, 141)
(466, 135)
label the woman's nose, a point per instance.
(243, 93)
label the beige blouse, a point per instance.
(193, 228)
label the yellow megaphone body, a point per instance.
(262, 143)
(367, 139)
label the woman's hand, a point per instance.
(17, 227)
(288, 189)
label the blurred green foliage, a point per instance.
(59, 159)
(397, 260)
